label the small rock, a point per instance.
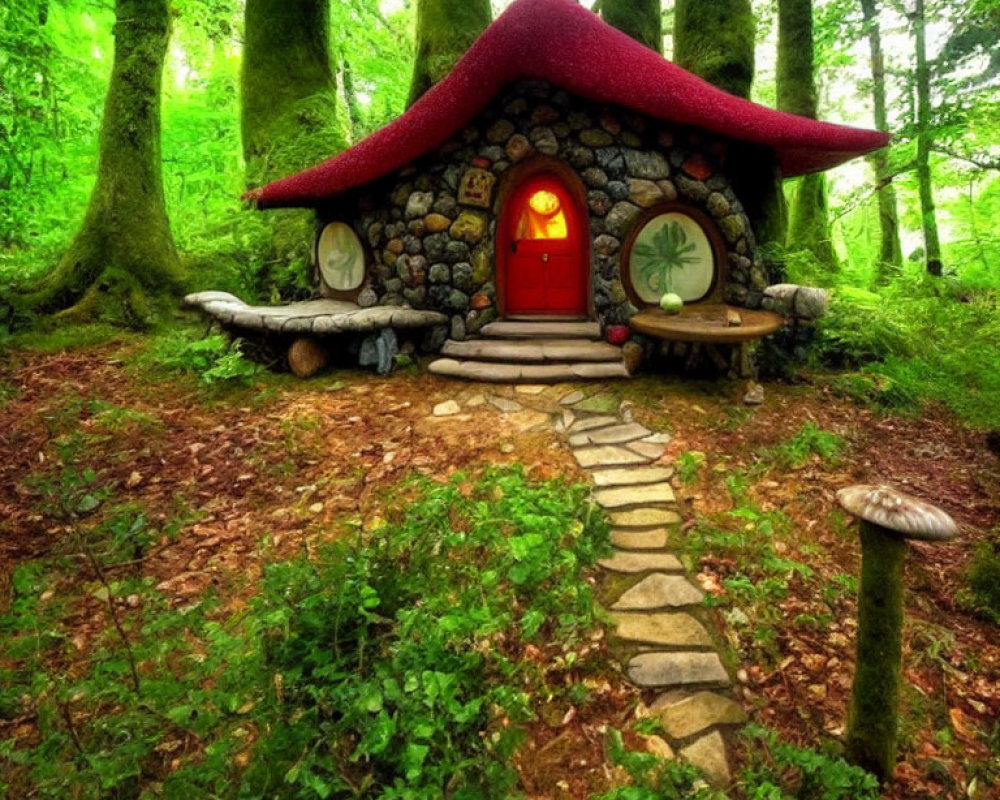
(518, 147)
(500, 131)
(315, 508)
(572, 398)
(709, 755)
(595, 137)
(754, 395)
(658, 747)
(435, 223)
(527, 388)
(644, 192)
(646, 164)
(503, 405)
(694, 714)
(419, 204)
(447, 408)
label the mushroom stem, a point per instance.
(872, 724)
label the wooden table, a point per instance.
(707, 323)
(710, 324)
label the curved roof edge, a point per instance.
(519, 45)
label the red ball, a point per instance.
(617, 334)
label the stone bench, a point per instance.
(310, 319)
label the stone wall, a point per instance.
(431, 252)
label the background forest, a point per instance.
(910, 336)
(174, 519)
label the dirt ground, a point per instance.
(247, 475)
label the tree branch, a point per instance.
(976, 162)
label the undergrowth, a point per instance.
(389, 666)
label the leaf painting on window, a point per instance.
(667, 251)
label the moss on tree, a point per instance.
(289, 114)
(872, 725)
(640, 19)
(808, 220)
(445, 30)
(715, 40)
(122, 261)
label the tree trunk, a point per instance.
(445, 30)
(715, 41)
(123, 256)
(640, 19)
(890, 252)
(808, 223)
(289, 120)
(928, 217)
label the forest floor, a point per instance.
(234, 477)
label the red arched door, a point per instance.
(541, 245)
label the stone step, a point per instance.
(625, 539)
(532, 351)
(614, 434)
(621, 496)
(494, 372)
(660, 670)
(631, 476)
(675, 629)
(659, 591)
(622, 561)
(547, 329)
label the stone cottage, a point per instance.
(541, 199)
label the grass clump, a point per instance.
(393, 665)
(214, 359)
(983, 578)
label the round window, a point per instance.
(672, 252)
(340, 257)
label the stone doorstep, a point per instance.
(659, 591)
(630, 476)
(532, 350)
(662, 670)
(550, 330)
(646, 494)
(655, 539)
(666, 629)
(613, 434)
(607, 456)
(633, 562)
(498, 372)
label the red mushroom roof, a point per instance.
(563, 43)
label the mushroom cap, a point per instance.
(897, 513)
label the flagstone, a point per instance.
(614, 434)
(655, 539)
(598, 404)
(659, 591)
(696, 713)
(675, 629)
(647, 449)
(623, 561)
(630, 476)
(590, 423)
(709, 755)
(650, 670)
(606, 456)
(643, 518)
(619, 496)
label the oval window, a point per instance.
(671, 253)
(340, 257)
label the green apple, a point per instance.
(671, 303)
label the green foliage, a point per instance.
(984, 577)
(214, 359)
(688, 465)
(389, 666)
(652, 777)
(810, 441)
(667, 252)
(779, 771)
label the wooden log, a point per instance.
(306, 357)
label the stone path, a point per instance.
(657, 615)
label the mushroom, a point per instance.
(888, 518)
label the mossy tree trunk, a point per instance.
(640, 19)
(123, 259)
(928, 214)
(289, 118)
(808, 220)
(445, 30)
(890, 251)
(715, 41)
(872, 725)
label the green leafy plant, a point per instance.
(778, 770)
(214, 359)
(667, 251)
(688, 465)
(811, 440)
(983, 577)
